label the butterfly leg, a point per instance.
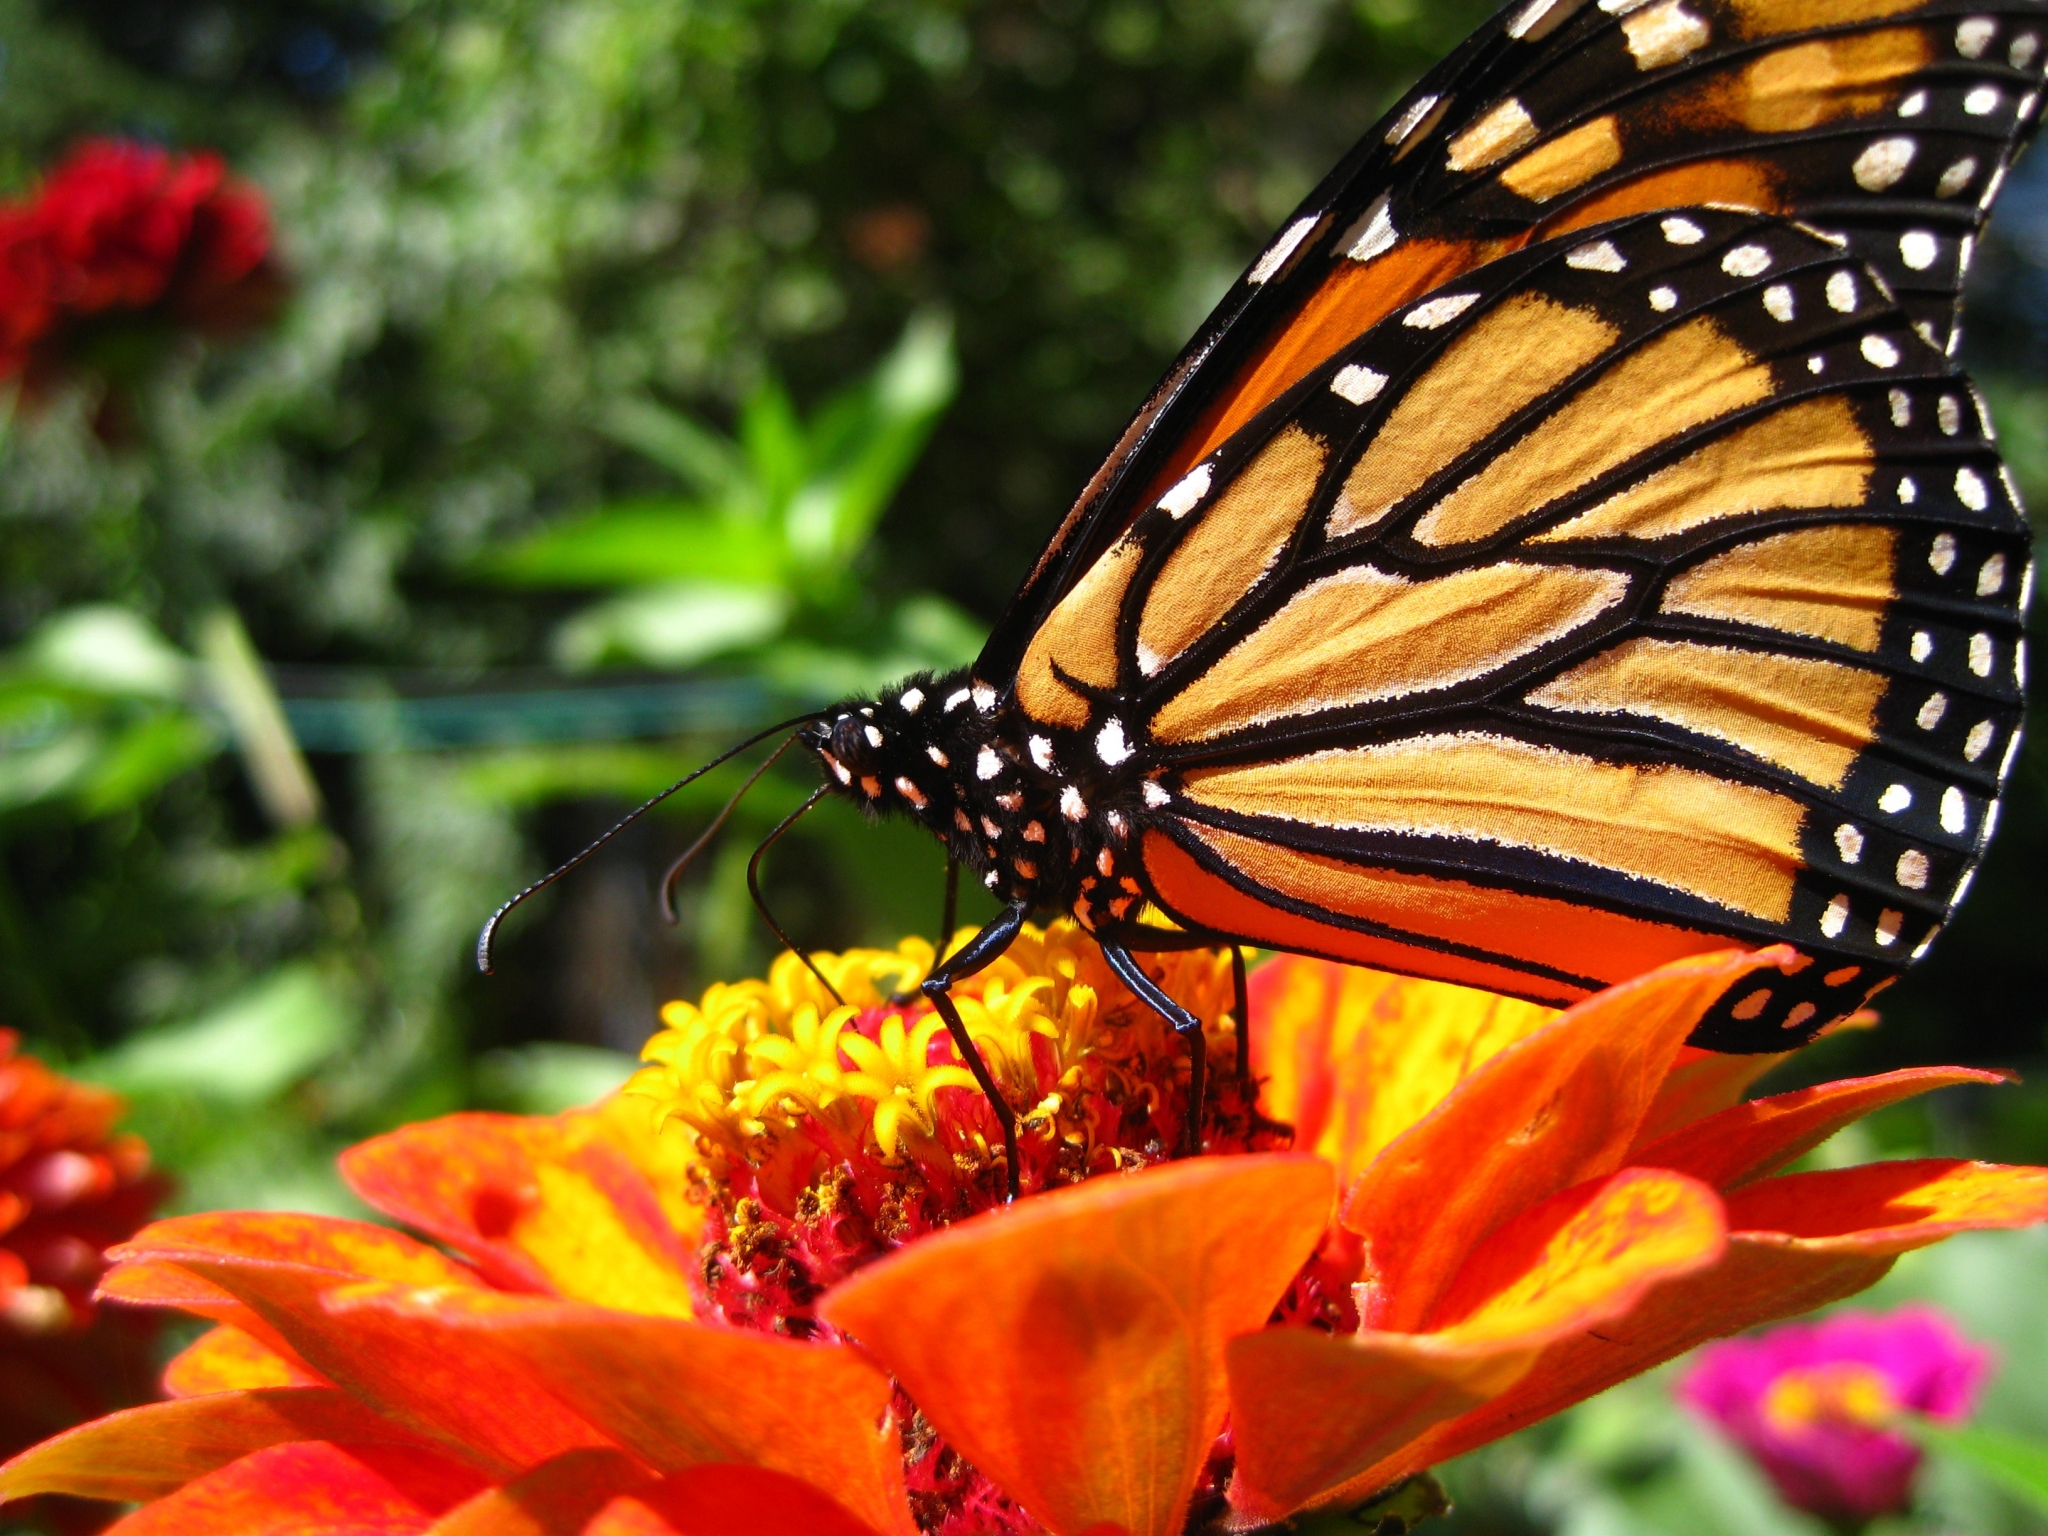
(949, 913)
(983, 949)
(1185, 1024)
(1241, 1000)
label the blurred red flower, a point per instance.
(1818, 1404)
(123, 235)
(69, 1189)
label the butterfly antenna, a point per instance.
(754, 890)
(689, 854)
(485, 939)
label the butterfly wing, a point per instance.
(1889, 122)
(1631, 597)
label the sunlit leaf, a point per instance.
(708, 463)
(675, 625)
(638, 543)
(143, 758)
(108, 649)
(249, 1049)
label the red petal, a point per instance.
(1312, 1411)
(225, 1359)
(310, 1488)
(487, 1413)
(1756, 1138)
(144, 1453)
(550, 1205)
(1553, 1110)
(1351, 1058)
(1071, 1347)
(1755, 1282)
(678, 1394)
(1889, 1208)
(558, 1498)
(728, 1501)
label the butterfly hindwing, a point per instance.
(1634, 596)
(1888, 122)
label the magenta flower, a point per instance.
(1816, 1403)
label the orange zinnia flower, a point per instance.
(804, 1313)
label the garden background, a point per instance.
(644, 370)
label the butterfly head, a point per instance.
(939, 749)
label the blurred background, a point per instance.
(547, 391)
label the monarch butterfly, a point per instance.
(1568, 547)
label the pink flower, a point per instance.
(1815, 1403)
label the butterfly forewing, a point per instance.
(1890, 124)
(1635, 595)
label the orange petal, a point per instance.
(145, 1453)
(731, 1501)
(1311, 1411)
(354, 1248)
(1889, 1208)
(664, 1154)
(226, 1359)
(1755, 1282)
(1351, 1058)
(314, 1486)
(548, 1205)
(1552, 1110)
(558, 1498)
(1700, 1083)
(1072, 1346)
(678, 1394)
(1749, 1140)
(484, 1412)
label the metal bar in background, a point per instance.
(369, 722)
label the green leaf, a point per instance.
(778, 453)
(109, 650)
(248, 1050)
(548, 1077)
(710, 464)
(636, 543)
(1396, 1512)
(677, 625)
(2016, 1464)
(142, 759)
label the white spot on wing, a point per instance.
(1888, 925)
(1955, 812)
(1835, 917)
(1880, 352)
(1902, 408)
(1956, 177)
(1983, 101)
(1110, 744)
(1411, 119)
(1357, 383)
(1913, 105)
(1494, 137)
(1932, 711)
(1880, 167)
(2023, 49)
(1948, 415)
(1974, 36)
(1278, 252)
(1187, 491)
(1746, 261)
(1849, 842)
(1941, 554)
(1909, 492)
(1683, 231)
(1971, 490)
(1921, 646)
(1912, 870)
(1663, 300)
(1596, 256)
(1664, 34)
(1981, 655)
(1374, 234)
(1919, 249)
(1978, 742)
(1895, 800)
(1991, 577)
(1779, 303)
(1843, 296)
(1433, 313)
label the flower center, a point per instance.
(828, 1135)
(1842, 1394)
